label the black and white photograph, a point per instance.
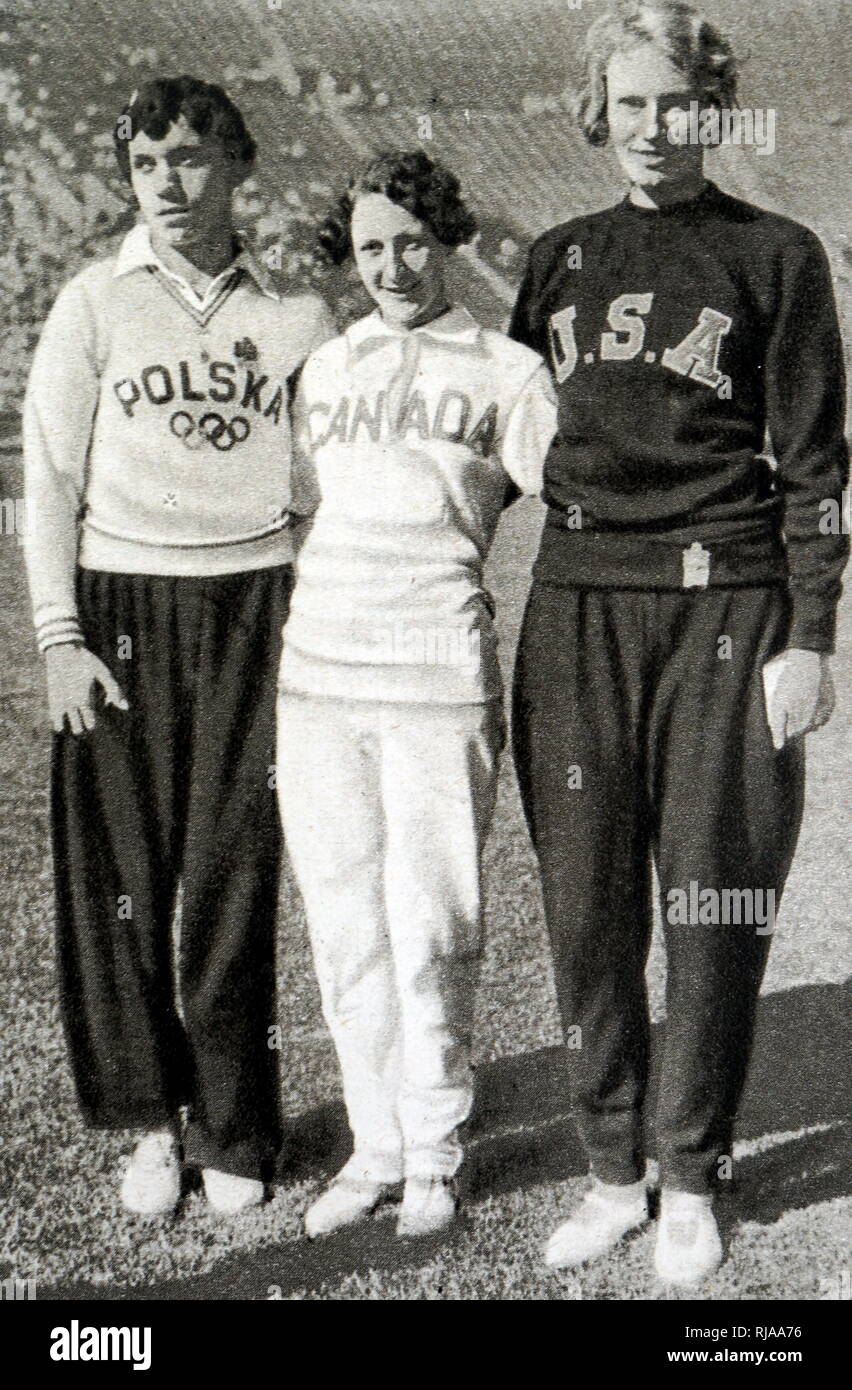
(425, 682)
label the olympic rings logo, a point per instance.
(212, 428)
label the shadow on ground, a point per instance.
(521, 1135)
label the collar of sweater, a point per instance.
(455, 325)
(137, 253)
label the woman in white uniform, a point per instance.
(414, 428)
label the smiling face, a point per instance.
(183, 184)
(400, 261)
(646, 94)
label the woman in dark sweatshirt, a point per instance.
(676, 643)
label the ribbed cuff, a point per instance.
(57, 632)
(812, 632)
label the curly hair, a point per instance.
(208, 110)
(692, 44)
(415, 182)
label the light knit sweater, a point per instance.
(156, 427)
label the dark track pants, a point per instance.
(176, 790)
(677, 762)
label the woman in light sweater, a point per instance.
(413, 429)
(156, 454)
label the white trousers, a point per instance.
(385, 809)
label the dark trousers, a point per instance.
(176, 791)
(675, 762)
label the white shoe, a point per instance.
(605, 1215)
(349, 1198)
(229, 1194)
(689, 1247)
(151, 1185)
(429, 1205)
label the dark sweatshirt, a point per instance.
(677, 339)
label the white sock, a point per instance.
(622, 1194)
(686, 1203)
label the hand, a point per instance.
(72, 673)
(799, 693)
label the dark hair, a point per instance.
(208, 110)
(415, 182)
(692, 43)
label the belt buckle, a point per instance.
(696, 566)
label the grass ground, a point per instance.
(60, 1221)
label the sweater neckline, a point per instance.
(686, 208)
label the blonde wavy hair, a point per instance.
(690, 42)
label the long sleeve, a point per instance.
(805, 394)
(59, 411)
(304, 497)
(304, 487)
(323, 328)
(529, 431)
(525, 326)
(318, 328)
